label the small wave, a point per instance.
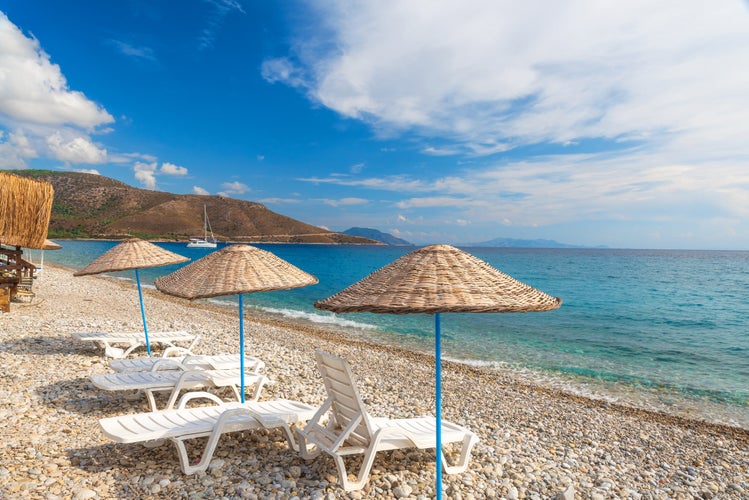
(120, 278)
(318, 318)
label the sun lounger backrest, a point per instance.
(346, 405)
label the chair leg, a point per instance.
(131, 348)
(210, 446)
(184, 460)
(308, 451)
(151, 399)
(362, 477)
(465, 451)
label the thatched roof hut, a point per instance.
(25, 209)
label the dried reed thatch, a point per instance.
(133, 253)
(25, 209)
(438, 278)
(234, 270)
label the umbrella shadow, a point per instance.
(124, 457)
(79, 396)
(268, 446)
(44, 346)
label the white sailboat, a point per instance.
(204, 242)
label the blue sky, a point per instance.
(594, 122)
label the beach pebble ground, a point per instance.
(535, 442)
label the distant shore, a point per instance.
(533, 440)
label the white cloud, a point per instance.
(172, 169)
(439, 201)
(141, 53)
(145, 173)
(87, 171)
(644, 105)
(345, 202)
(357, 168)
(432, 151)
(33, 90)
(282, 70)
(14, 149)
(200, 190)
(491, 75)
(75, 150)
(43, 117)
(391, 183)
(214, 20)
(279, 201)
(231, 188)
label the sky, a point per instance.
(589, 122)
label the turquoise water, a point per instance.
(660, 329)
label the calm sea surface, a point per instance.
(659, 329)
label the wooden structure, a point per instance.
(25, 209)
(16, 277)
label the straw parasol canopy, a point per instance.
(234, 270)
(438, 278)
(25, 209)
(433, 280)
(51, 245)
(130, 254)
(133, 254)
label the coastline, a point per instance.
(533, 439)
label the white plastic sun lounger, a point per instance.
(133, 340)
(351, 430)
(187, 362)
(182, 424)
(176, 381)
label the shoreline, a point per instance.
(533, 439)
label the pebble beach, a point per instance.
(535, 441)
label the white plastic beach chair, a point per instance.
(133, 340)
(182, 424)
(351, 430)
(176, 381)
(185, 362)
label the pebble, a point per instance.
(535, 441)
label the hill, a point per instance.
(374, 234)
(94, 206)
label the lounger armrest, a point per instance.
(267, 422)
(166, 364)
(189, 396)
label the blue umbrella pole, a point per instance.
(241, 347)
(438, 390)
(143, 312)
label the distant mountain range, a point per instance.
(374, 234)
(389, 239)
(94, 206)
(513, 243)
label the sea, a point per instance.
(665, 330)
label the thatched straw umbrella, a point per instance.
(133, 254)
(234, 270)
(432, 280)
(25, 209)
